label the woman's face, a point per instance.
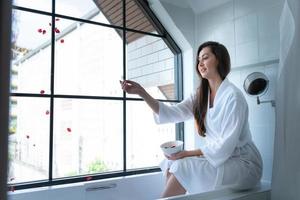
(207, 64)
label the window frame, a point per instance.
(178, 74)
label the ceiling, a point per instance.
(135, 17)
(198, 6)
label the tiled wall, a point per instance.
(250, 31)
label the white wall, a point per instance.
(184, 21)
(286, 170)
(250, 31)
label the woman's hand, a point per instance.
(179, 155)
(132, 87)
(184, 153)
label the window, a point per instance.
(69, 119)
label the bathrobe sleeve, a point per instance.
(174, 113)
(220, 148)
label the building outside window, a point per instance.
(69, 117)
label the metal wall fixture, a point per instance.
(257, 84)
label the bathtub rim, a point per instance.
(225, 193)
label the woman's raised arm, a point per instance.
(132, 87)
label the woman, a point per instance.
(229, 157)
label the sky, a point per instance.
(26, 25)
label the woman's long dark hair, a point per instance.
(201, 97)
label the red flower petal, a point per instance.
(27, 136)
(69, 129)
(57, 30)
(88, 178)
(62, 41)
(47, 112)
(12, 188)
(44, 31)
(40, 30)
(50, 24)
(57, 19)
(42, 92)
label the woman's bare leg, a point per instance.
(173, 187)
(168, 176)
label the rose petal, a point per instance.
(12, 188)
(40, 30)
(44, 31)
(50, 24)
(57, 19)
(42, 92)
(62, 41)
(47, 112)
(27, 136)
(57, 30)
(69, 129)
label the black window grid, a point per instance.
(163, 34)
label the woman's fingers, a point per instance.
(175, 156)
(129, 86)
(123, 83)
(129, 81)
(170, 157)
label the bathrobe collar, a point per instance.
(221, 88)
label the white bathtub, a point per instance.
(138, 187)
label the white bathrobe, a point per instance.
(230, 158)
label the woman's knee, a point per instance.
(173, 187)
